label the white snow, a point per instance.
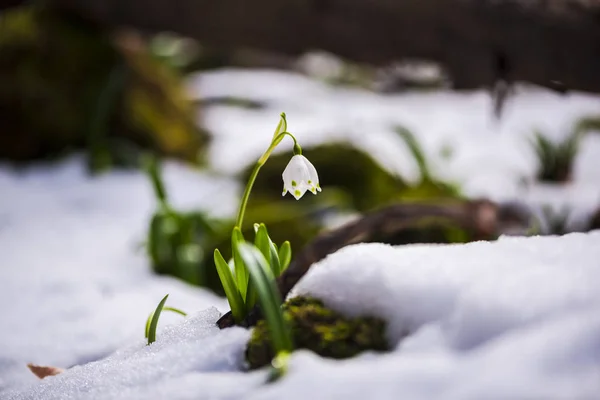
(513, 319)
(75, 283)
(497, 150)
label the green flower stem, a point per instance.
(261, 161)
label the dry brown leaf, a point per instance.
(44, 371)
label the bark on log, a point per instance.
(553, 43)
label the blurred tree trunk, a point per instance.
(553, 43)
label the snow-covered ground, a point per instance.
(489, 157)
(515, 319)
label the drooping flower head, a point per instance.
(299, 176)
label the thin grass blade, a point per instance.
(172, 309)
(416, 151)
(154, 321)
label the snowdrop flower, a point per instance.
(299, 176)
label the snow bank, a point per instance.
(499, 150)
(514, 319)
(189, 361)
(75, 283)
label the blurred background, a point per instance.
(460, 106)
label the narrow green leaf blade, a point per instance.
(261, 241)
(285, 255)
(231, 291)
(241, 275)
(148, 324)
(154, 320)
(172, 309)
(274, 257)
(268, 296)
(250, 295)
(416, 151)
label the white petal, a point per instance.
(313, 177)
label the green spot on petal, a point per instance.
(310, 182)
(297, 193)
(294, 183)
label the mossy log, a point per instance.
(320, 329)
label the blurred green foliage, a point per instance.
(429, 187)
(555, 158)
(66, 85)
(181, 243)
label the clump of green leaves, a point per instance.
(555, 158)
(234, 275)
(249, 276)
(177, 240)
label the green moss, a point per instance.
(317, 328)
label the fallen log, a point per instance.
(481, 219)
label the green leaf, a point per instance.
(151, 328)
(250, 296)
(148, 324)
(285, 255)
(274, 258)
(281, 127)
(231, 291)
(261, 241)
(241, 275)
(268, 297)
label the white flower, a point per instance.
(299, 176)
